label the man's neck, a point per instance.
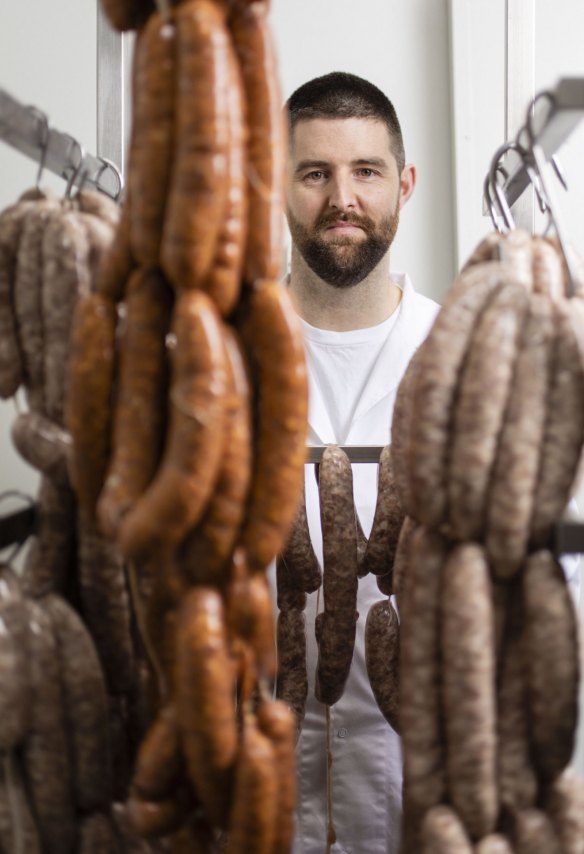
(341, 309)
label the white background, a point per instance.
(48, 58)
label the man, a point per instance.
(362, 323)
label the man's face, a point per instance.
(343, 197)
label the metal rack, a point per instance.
(27, 129)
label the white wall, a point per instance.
(47, 59)
(403, 49)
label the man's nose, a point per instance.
(341, 195)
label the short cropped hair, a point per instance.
(340, 95)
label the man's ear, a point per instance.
(407, 182)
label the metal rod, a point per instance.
(26, 129)
(111, 100)
(356, 453)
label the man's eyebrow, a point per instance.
(371, 161)
(311, 164)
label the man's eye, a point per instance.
(366, 173)
(317, 175)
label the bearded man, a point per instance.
(362, 323)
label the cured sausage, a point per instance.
(46, 765)
(105, 605)
(443, 832)
(197, 196)
(252, 822)
(564, 429)
(468, 671)
(140, 407)
(272, 336)
(478, 417)
(127, 14)
(223, 281)
(420, 719)
(97, 834)
(298, 555)
(401, 426)
(336, 626)
(66, 276)
(85, 706)
(516, 776)
(565, 806)
(176, 498)
(249, 615)
(28, 298)
(267, 146)
(43, 444)
(551, 663)
(515, 474)
(278, 724)
(11, 225)
(292, 679)
(204, 554)
(159, 760)
(535, 834)
(382, 659)
(15, 689)
(49, 564)
(438, 370)
(402, 558)
(152, 140)
(89, 400)
(387, 521)
(205, 686)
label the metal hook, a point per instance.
(109, 164)
(75, 167)
(529, 124)
(44, 135)
(23, 522)
(498, 169)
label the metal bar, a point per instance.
(17, 527)
(356, 453)
(520, 88)
(111, 101)
(26, 129)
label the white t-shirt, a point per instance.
(342, 363)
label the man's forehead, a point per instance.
(323, 138)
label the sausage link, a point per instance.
(551, 662)
(46, 757)
(127, 14)
(176, 498)
(267, 146)
(43, 444)
(197, 197)
(387, 521)
(28, 299)
(140, 407)
(336, 626)
(86, 706)
(278, 723)
(152, 139)
(273, 341)
(443, 832)
(564, 430)
(535, 834)
(159, 761)
(478, 417)
(382, 659)
(15, 690)
(468, 669)
(204, 554)
(205, 685)
(298, 554)
(512, 490)
(252, 822)
(439, 368)
(292, 680)
(420, 718)
(565, 806)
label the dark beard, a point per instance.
(344, 271)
